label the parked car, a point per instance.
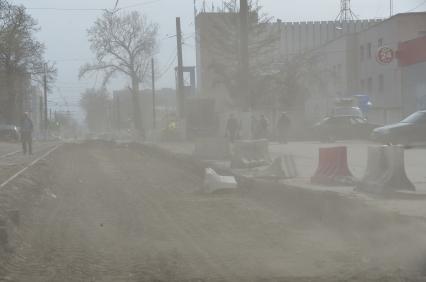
(347, 111)
(343, 128)
(9, 132)
(408, 132)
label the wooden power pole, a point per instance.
(46, 118)
(154, 117)
(244, 52)
(180, 83)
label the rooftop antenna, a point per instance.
(346, 13)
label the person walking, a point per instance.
(283, 126)
(263, 127)
(254, 127)
(232, 128)
(26, 134)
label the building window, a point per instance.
(363, 86)
(369, 51)
(380, 42)
(339, 69)
(361, 52)
(381, 83)
(370, 86)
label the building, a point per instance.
(412, 61)
(383, 83)
(293, 38)
(350, 67)
(300, 37)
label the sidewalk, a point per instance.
(306, 157)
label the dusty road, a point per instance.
(100, 212)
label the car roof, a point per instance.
(345, 116)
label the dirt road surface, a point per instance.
(104, 212)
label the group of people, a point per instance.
(260, 128)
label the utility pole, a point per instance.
(196, 41)
(41, 119)
(391, 7)
(46, 118)
(117, 101)
(180, 83)
(154, 122)
(244, 51)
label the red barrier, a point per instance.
(333, 167)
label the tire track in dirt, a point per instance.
(114, 214)
(168, 221)
(61, 247)
(168, 191)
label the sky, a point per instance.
(64, 25)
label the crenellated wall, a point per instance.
(299, 37)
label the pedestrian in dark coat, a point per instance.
(283, 127)
(26, 134)
(263, 125)
(232, 127)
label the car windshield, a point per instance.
(415, 118)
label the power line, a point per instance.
(140, 4)
(418, 6)
(67, 9)
(93, 9)
(169, 66)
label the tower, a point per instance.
(346, 13)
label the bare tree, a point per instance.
(96, 104)
(222, 42)
(294, 79)
(21, 56)
(124, 44)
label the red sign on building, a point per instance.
(385, 55)
(412, 52)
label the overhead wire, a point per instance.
(416, 7)
(116, 8)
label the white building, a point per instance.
(352, 59)
(294, 38)
(384, 82)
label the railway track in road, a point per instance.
(39, 154)
(9, 154)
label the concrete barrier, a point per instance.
(290, 167)
(250, 154)
(212, 149)
(333, 167)
(385, 171)
(214, 182)
(280, 168)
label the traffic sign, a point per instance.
(385, 55)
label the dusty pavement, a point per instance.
(104, 212)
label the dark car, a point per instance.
(410, 131)
(9, 132)
(343, 128)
